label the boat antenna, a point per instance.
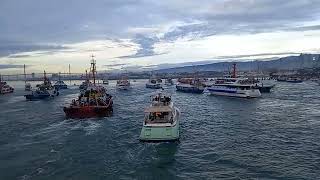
(24, 72)
(93, 66)
(69, 74)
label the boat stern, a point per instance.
(158, 134)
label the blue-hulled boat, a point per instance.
(43, 91)
(190, 86)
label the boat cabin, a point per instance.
(158, 114)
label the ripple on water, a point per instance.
(274, 137)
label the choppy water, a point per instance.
(274, 137)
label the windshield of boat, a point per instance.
(159, 117)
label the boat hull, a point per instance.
(294, 81)
(123, 87)
(189, 89)
(32, 97)
(87, 111)
(170, 132)
(158, 134)
(153, 86)
(252, 93)
(6, 91)
(61, 86)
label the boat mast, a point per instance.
(24, 72)
(93, 66)
(44, 75)
(69, 74)
(234, 66)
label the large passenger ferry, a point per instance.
(233, 87)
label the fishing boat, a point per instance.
(294, 80)
(60, 84)
(85, 84)
(27, 87)
(94, 101)
(105, 81)
(233, 87)
(153, 83)
(161, 121)
(192, 85)
(168, 82)
(123, 83)
(43, 91)
(5, 88)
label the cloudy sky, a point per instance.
(133, 34)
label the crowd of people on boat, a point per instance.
(92, 98)
(164, 99)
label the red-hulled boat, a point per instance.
(94, 101)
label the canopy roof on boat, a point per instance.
(158, 109)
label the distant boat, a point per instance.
(123, 83)
(190, 86)
(234, 87)
(27, 87)
(153, 84)
(161, 121)
(5, 88)
(43, 91)
(84, 85)
(294, 80)
(289, 79)
(60, 85)
(105, 81)
(168, 82)
(93, 101)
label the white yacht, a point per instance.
(123, 84)
(27, 87)
(153, 83)
(161, 121)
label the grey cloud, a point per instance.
(10, 66)
(60, 21)
(8, 47)
(146, 46)
(257, 55)
(114, 65)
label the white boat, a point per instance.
(60, 85)
(161, 121)
(168, 82)
(5, 88)
(105, 81)
(123, 84)
(27, 87)
(233, 87)
(153, 84)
